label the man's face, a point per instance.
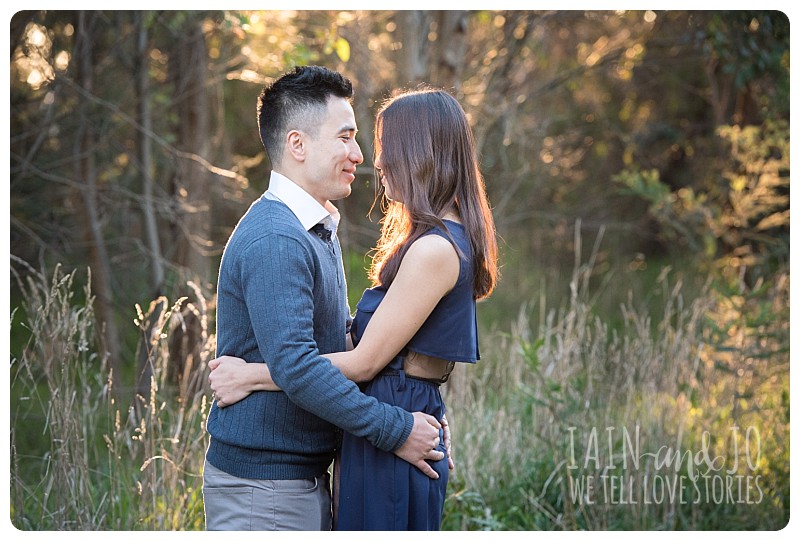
(332, 154)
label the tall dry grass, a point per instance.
(81, 459)
(561, 397)
(566, 397)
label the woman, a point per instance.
(436, 255)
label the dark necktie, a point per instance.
(322, 232)
(325, 234)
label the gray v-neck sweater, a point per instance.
(281, 299)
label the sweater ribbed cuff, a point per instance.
(409, 425)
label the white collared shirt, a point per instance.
(301, 203)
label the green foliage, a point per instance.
(355, 265)
(742, 220)
(684, 216)
(749, 44)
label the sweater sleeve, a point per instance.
(278, 276)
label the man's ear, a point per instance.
(295, 140)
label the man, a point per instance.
(282, 300)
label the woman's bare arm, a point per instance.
(429, 270)
(232, 379)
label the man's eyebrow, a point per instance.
(348, 127)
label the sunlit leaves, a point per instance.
(342, 48)
(33, 61)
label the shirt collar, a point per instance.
(302, 204)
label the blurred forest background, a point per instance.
(638, 166)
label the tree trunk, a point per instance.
(354, 230)
(449, 49)
(146, 166)
(145, 151)
(413, 63)
(188, 66)
(86, 174)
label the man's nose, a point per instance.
(355, 153)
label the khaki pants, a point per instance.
(234, 503)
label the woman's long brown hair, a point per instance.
(428, 155)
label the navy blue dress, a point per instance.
(378, 490)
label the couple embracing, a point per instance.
(297, 379)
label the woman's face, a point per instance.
(384, 180)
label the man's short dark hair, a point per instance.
(297, 100)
